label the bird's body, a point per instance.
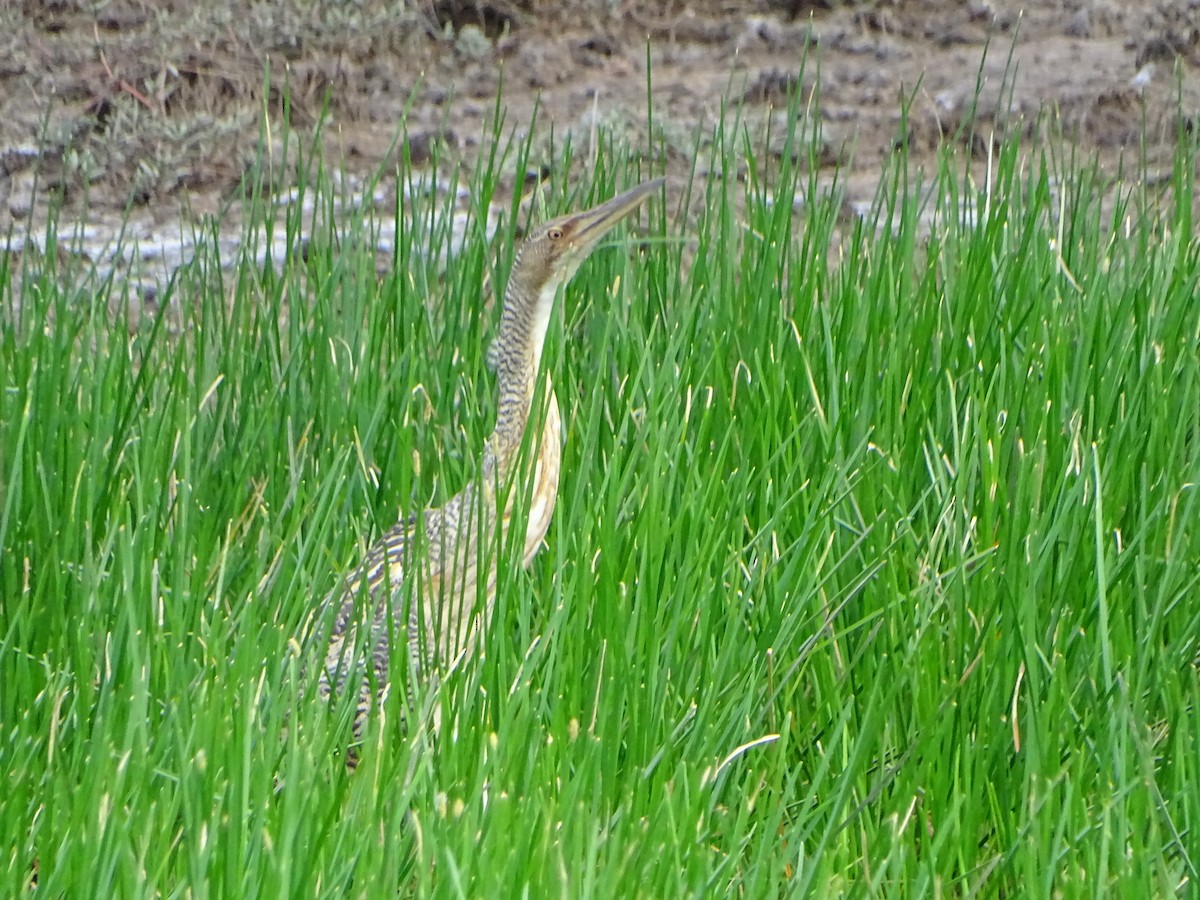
(429, 583)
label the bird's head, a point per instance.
(552, 252)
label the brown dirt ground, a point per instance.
(156, 107)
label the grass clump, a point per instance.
(871, 573)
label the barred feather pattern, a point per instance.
(421, 581)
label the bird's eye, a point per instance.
(555, 233)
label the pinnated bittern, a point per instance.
(430, 581)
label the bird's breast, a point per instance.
(545, 480)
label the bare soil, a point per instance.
(143, 111)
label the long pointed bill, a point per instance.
(592, 224)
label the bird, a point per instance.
(429, 583)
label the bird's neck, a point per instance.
(518, 357)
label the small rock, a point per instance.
(1080, 24)
(21, 194)
(595, 49)
(980, 11)
(1142, 79)
(772, 86)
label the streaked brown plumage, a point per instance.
(438, 614)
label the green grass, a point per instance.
(873, 570)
